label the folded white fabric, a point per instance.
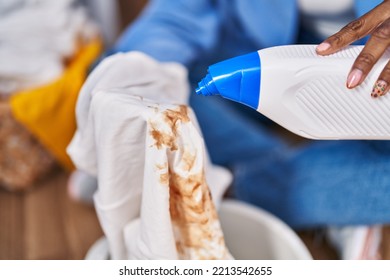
(36, 37)
(138, 136)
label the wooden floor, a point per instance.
(44, 224)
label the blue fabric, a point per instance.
(183, 30)
(320, 183)
(363, 6)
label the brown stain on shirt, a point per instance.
(164, 179)
(188, 160)
(162, 139)
(172, 118)
(164, 174)
(194, 218)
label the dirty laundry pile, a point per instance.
(46, 48)
(157, 190)
(36, 37)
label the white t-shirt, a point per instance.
(325, 18)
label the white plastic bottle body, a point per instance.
(307, 94)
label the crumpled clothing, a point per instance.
(36, 38)
(157, 190)
(48, 112)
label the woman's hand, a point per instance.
(377, 23)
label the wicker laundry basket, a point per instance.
(23, 160)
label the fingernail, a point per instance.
(354, 78)
(323, 47)
(379, 89)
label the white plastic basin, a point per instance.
(254, 234)
(250, 234)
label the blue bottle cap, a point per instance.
(237, 79)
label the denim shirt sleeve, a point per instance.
(363, 6)
(173, 30)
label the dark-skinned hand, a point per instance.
(377, 24)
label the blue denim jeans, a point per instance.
(318, 184)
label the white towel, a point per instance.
(138, 136)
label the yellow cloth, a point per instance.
(48, 112)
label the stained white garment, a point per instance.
(36, 37)
(139, 138)
(325, 18)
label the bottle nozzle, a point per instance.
(207, 87)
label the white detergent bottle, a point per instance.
(304, 92)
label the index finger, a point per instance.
(355, 30)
